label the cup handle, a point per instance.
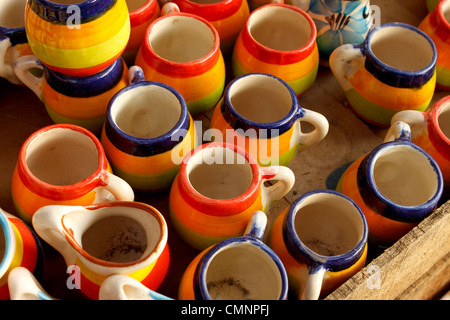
(285, 181)
(23, 285)
(417, 120)
(5, 69)
(169, 8)
(314, 283)
(21, 68)
(398, 130)
(318, 121)
(135, 73)
(344, 61)
(116, 186)
(257, 225)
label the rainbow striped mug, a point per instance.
(393, 70)
(20, 247)
(77, 38)
(182, 50)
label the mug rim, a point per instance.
(62, 192)
(295, 246)
(396, 211)
(200, 286)
(402, 78)
(210, 11)
(284, 124)
(440, 12)
(435, 113)
(156, 252)
(217, 207)
(146, 146)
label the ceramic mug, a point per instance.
(23, 285)
(396, 185)
(322, 240)
(393, 70)
(63, 164)
(115, 237)
(280, 40)
(240, 268)
(147, 128)
(218, 188)
(339, 22)
(122, 287)
(437, 25)
(80, 101)
(142, 13)
(430, 130)
(261, 113)
(19, 247)
(227, 16)
(77, 37)
(182, 50)
(13, 39)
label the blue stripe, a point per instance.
(15, 35)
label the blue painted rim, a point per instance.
(393, 76)
(237, 121)
(59, 13)
(143, 147)
(7, 255)
(15, 35)
(87, 86)
(299, 250)
(387, 208)
(200, 286)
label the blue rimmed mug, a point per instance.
(393, 70)
(322, 240)
(261, 113)
(147, 132)
(239, 268)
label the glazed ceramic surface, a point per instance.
(437, 25)
(77, 38)
(182, 50)
(240, 268)
(261, 113)
(80, 101)
(116, 237)
(322, 240)
(431, 131)
(13, 39)
(280, 40)
(396, 185)
(393, 70)
(217, 190)
(23, 285)
(19, 247)
(147, 133)
(227, 16)
(142, 13)
(63, 164)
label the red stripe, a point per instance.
(29, 245)
(144, 13)
(84, 72)
(159, 271)
(437, 137)
(211, 12)
(272, 56)
(440, 25)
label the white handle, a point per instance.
(416, 120)
(314, 283)
(23, 285)
(344, 61)
(285, 181)
(22, 67)
(320, 124)
(398, 131)
(169, 8)
(119, 188)
(6, 70)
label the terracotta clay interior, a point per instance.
(236, 273)
(404, 176)
(135, 4)
(146, 111)
(11, 13)
(260, 98)
(279, 28)
(401, 48)
(181, 39)
(328, 225)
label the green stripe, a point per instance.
(443, 76)
(207, 102)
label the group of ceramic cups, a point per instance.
(218, 194)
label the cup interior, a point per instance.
(206, 1)
(62, 156)
(146, 111)
(12, 13)
(404, 175)
(328, 224)
(181, 39)
(446, 11)
(444, 120)
(219, 173)
(279, 28)
(260, 98)
(401, 48)
(243, 271)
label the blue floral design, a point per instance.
(339, 22)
